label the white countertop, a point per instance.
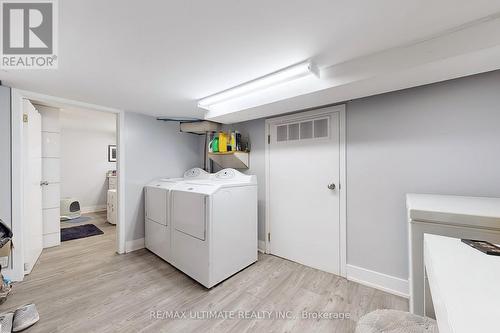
(456, 210)
(465, 286)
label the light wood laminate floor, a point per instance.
(83, 286)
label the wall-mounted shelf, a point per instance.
(231, 159)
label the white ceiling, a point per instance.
(159, 57)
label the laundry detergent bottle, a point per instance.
(215, 144)
(222, 142)
(233, 141)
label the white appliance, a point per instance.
(112, 181)
(70, 209)
(450, 216)
(214, 226)
(157, 212)
(112, 199)
(112, 206)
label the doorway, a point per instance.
(88, 178)
(70, 182)
(17, 267)
(305, 187)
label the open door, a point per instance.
(32, 191)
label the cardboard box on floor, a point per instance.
(5, 250)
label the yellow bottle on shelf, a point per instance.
(222, 142)
(233, 141)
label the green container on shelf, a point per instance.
(215, 145)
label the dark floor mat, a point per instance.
(80, 231)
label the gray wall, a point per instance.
(257, 131)
(5, 157)
(153, 149)
(442, 138)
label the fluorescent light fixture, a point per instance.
(284, 75)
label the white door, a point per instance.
(32, 194)
(51, 175)
(304, 201)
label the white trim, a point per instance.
(384, 282)
(261, 247)
(267, 227)
(93, 209)
(342, 176)
(342, 192)
(134, 245)
(16, 270)
(16, 273)
(120, 170)
(60, 102)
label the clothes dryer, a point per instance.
(214, 223)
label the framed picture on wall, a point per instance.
(112, 153)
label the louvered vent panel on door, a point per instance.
(293, 132)
(304, 130)
(321, 128)
(282, 133)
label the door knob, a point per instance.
(44, 183)
(331, 186)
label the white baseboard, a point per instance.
(261, 246)
(93, 209)
(384, 282)
(134, 245)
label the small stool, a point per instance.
(393, 321)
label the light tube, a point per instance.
(284, 75)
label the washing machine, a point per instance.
(157, 211)
(214, 223)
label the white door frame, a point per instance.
(342, 170)
(16, 270)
